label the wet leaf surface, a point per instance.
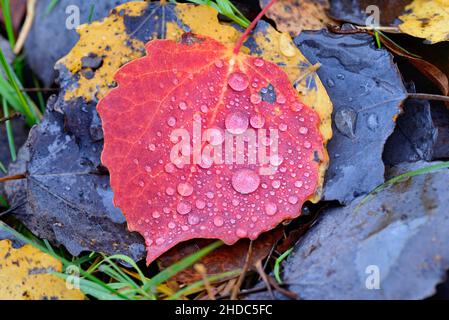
(24, 275)
(294, 16)
(427, 19)
(402, 231)
(82, 123)
(50, 39)
(67, 193)
(367, 91)
(175, 187)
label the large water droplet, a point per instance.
(257, 121)
(245, 181)
(241, 233)
(236, 122)
(345, 121)
(271, 209)
(185, 189)
(218, 221)
(293, 199)
(219, 63)
(183, 208)
(286, 46)
(182, 105)
(238, 81)
(171, 121)
(303, 130)
(373, 121)
(169, 168)
(255, 98)
(258, 62)
(200, 204)
(193, 219)
(155, 214)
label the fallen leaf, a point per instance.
(53, 34)
(401, 233)
(427, 19)
(358, 11)
(136, 23)
(223, 259)
(294, 16)
(25, 275)
(367, 91)
(84, 127)
(200, 83)
(414, 136)
(67, 197)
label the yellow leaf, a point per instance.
(24, 275)
(428, 19)
(121, 37)
(294, 16)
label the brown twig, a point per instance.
(285, 292)
(425, 96)
(39, 89)
(11, 117)
(264, 277)
(31, 4)
(236, 289)
(14, 177)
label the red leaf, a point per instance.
(199, 80)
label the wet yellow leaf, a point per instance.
(121, 37)
(294, 16)
(24, 275)
(428, 19)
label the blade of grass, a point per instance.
(39, 94)
(9, 133)
(6, 10)
(91, 12)
(50, 7)
(32, 114)
(2, 168)
(400, 178)
(226, 8)
(186, 262)
(277, 265)
(64, 261)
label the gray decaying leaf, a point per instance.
(67, 192)
(361, 12)
(52, 35)
(400, 235)
(367, 91)
(414, 137)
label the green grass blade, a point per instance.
(9, 133)
(400, 178)
(6, 10)
(39, 94)
(50, 7)
(31, 116)
(2, 168)
(277, 265)
(184, 263)
(91, 13)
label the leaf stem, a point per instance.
(251, 27)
